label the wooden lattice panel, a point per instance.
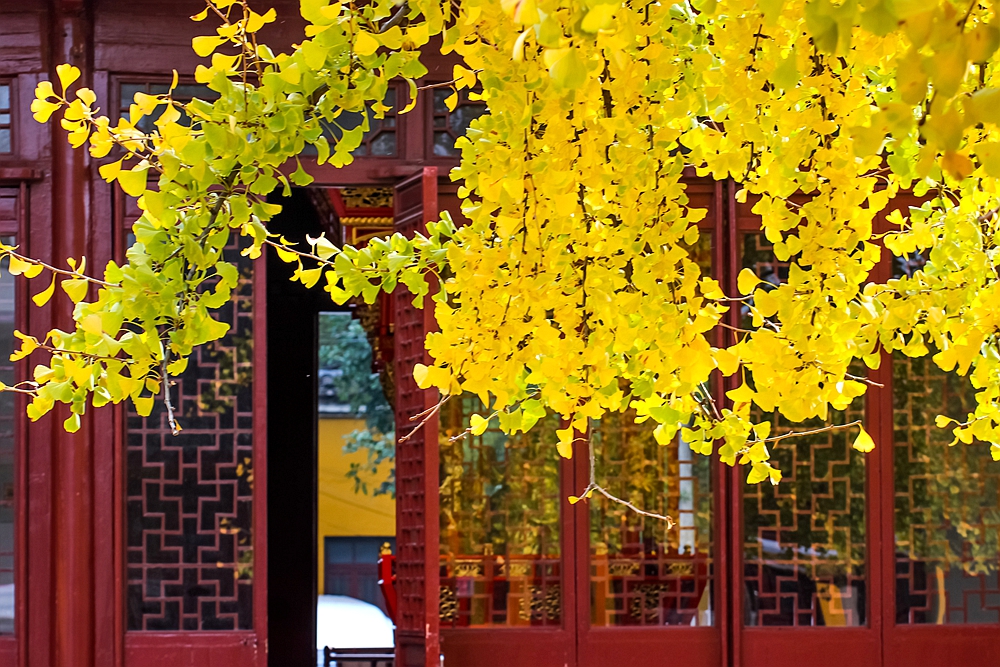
(189, 497)
(416, 456)
(804, 544)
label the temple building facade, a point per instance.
(123, 545)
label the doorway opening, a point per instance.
(330, 492)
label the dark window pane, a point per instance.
(444, 145)
(384, 144)
(440, 95)
(128, 91)
(4, 96)
(5, 146)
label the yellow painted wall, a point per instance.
(341, 511)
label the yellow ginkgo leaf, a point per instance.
(478, 424)
(747, 281)
(43, 297)
(864, 442)
(365, 44)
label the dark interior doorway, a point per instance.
(292, 444)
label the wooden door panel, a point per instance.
(417, 643)
(648, 595)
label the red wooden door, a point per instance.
(940, 528)
(416, 456)
(806, 582)
(194, 526)
(646, 594)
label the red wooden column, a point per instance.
(417, 511)
(73, 526)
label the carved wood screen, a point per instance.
(416, 457)
(189, 496)
(194, 533)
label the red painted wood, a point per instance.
(417, 639)
(260, 513)
(73, 631)
(193, 649)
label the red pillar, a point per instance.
(73, 566)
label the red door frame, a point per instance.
(232, 648)
(13, 648)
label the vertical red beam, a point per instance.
(720, 478)
(417, 486)
(732, 478)
(73, 565)
(881, 484)
(260, 443)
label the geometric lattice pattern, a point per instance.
(641, 572)
(7, 438)
(190, 497)
(804, 540)
(947, 503)
(500, 498)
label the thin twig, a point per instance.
(873, 383)
(167, 401)
(594, 486)
(825, 429)
(62, 272)
(395, 19)
(432, 412)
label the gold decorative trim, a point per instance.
(365, 221)
(367, 197)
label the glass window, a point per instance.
(947, 502)
(804, 540)
(7, 442)
(381, 138)
(641, 571)
(450, 125)
(6, 138)
(500, 532)
(182, 93)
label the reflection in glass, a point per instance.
(182, 94)
(947, 518)
(804, 540)
(7, 422)
(500, 497)
(380, 138)
(641, 571)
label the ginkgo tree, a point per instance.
(570, 291)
